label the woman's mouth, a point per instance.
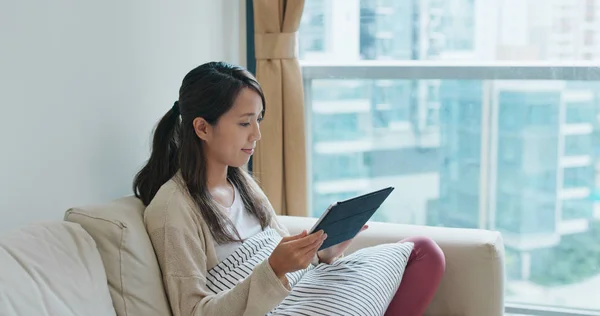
(248, 151)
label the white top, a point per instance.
(246, 224)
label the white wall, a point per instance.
(82, 84)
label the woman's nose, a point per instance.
(256, 133)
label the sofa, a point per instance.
(99, 261)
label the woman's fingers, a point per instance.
(294, 237)
(307, 241)
(311, 251)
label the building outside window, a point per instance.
(517, 156)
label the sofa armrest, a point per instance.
(473, 284)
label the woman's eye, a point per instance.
(246, 124)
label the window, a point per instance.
(420, 103)
(579, 145)
(589, 37)
(577, 209)
(313, 28)
(340, 166)
(579, 177)
(581, 112)
(565, 25)
(337, 127)
(590, 10)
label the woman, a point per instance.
(201, 205)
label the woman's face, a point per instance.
(231, 141)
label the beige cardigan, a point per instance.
(185, 251)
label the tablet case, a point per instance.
(345, 218)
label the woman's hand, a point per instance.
(330, 254)
(295, 252)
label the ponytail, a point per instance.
(164, 159)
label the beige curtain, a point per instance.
(279, 162)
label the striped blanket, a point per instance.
(362, 283)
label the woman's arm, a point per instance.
(181, 252)
(258, 294)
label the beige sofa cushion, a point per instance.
(52, 269)
(131, 266)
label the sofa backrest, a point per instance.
(134, 277)
(52, 269)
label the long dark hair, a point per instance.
(208, 91)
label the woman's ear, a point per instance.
(201, 128)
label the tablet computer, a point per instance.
(343, 219)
